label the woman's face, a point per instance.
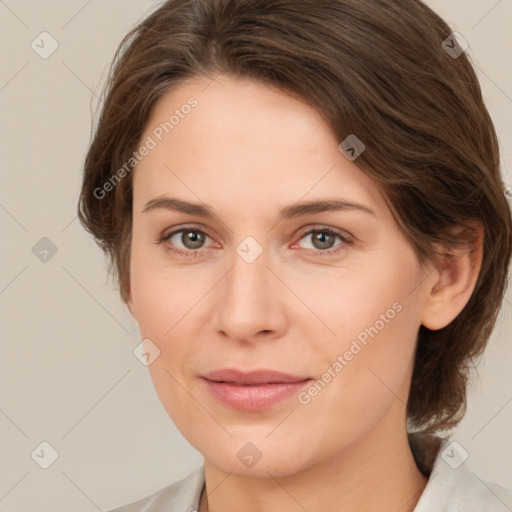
(250, 288)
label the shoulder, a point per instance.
(454, 487)
(182, 496)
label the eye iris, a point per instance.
(193, 237)
(322, 236)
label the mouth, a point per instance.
(252, 391)
(252, 378)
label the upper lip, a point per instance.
(253, 377)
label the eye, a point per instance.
(323, 239)
(191, 238)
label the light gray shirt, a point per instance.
(452, 486)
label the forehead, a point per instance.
(238, 112)
(236, 136)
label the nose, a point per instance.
(251, 301)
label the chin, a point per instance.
(256, 459)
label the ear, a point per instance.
(457, 275)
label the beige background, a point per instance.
(68, 373)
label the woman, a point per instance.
(303, 206)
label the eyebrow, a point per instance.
(293, 211)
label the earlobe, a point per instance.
(457, 276)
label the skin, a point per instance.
(247, 151)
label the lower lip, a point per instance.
(255, 397)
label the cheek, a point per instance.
(169, 303)
(375, 314)
(374, 299)
(162, 293)
(164, 301)
(363, 373)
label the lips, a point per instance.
(255, 377)
(252, 391)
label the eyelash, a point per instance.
(323, 229)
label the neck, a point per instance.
(378, 472)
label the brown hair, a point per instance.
(376, 69)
